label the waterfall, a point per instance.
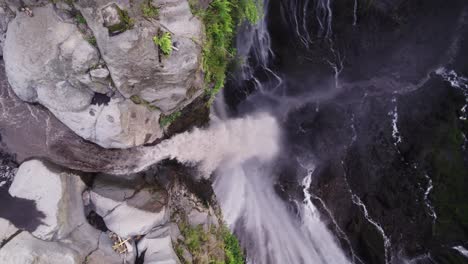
(266, 226)
(355, 8)
(461, 250)
(359, 203)
(395, 132)
(432, 212)
(229, 142)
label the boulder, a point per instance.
(7, 229)
(49, 61)
(124, 219)
(138, 69)
(105, 254)
(26, 249)
(158, 247)
(34, 181)
(64, 235)
(54, 193)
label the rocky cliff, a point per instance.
(96, 67)
(83, 86)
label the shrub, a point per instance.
(164, 42)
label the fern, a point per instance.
(164, 42)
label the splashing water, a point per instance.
(461, 250)
(269, 230)
(230, 142)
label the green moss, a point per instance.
(164, 42)
(138, 100)
(180, 252)
(149, 11)
(126, 22)
(80, 19)
(92, 40)
(221, 19)
(167, 120)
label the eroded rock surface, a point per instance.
(63, 235)
(95, 66)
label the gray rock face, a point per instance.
(6, 15)
(127, 212)
(26, 249)
(49, 61)
(158, 246)
(7, 229)
(135, 64)
(53, 194)
(43, 54)
(65, 235)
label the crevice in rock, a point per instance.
(96, 221)
(140, 259)
(5, 241)
(85, 261)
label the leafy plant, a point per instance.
(250, 11)
(232, 248)
(164, 42)
(220, 19)
(167, 120)
(149, 11)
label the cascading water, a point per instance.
(266, 226)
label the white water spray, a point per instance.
(229, 142)
(269, 230)
(461, 250)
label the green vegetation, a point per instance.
(221, 19)
(137, 100)
(194, 237)
(232, 248)
(216, 246)
(92, 40)
(167, 120)
(80, 19)
(164, 42)
(149, 11)
(126, 22)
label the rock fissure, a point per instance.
(6, 240)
